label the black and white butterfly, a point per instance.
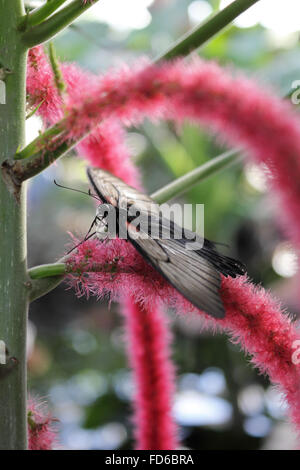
(195, 273)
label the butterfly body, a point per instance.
(195, 273)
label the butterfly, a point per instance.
(195, 273)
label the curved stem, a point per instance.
(40, 14)
(43, 140)
(57, 22)
(187, 181)
(57, 74)
(45, 278)
(21, 170)
(41, 153)
(198, 36)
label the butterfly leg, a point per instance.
(87, 237)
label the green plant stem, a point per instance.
(35, 110)
(186, 182)
(40, 14)
(57, 22)
(13, 274)
(58, 76)
(32, 166)
(43, 140)
(22, 169)
(62, 268)
(199, 35)
(47, 270)
(46, 277)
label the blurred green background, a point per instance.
(77, 356)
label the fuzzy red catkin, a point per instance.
(244, 115)
(240, 112)
(253, 318)
(41, 432)
(148, 350)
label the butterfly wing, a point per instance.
(114, 191)
(194, 273)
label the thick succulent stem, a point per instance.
(13, 277)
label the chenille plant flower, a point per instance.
(206, 93)
(42, 434)
(90, 113)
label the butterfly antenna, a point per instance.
(87, 237)
(78, 191)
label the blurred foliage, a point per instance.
(78, 360)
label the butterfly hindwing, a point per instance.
(193, 276)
